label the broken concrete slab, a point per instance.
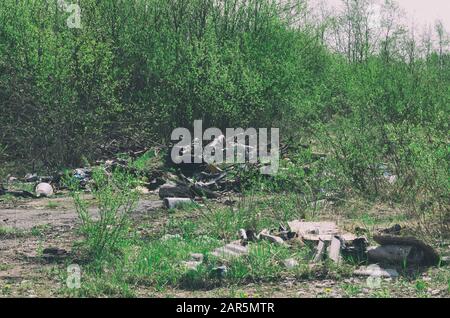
(195, 261)
(420, 253)
(231, 250)
(375, 270)
(334, 252)
(320, 249)
(395, 254)
(317, 231)
(264, 235)
(357, 250)
(172, 203)
(192, 265)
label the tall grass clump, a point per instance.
(106, 227)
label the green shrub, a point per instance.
(115, 199)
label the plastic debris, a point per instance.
(44, 190)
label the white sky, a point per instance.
(424, 12)
(427, 11)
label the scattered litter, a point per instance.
(12, 179)
(44, 189)
(221, 271)
(375, 270)
(243, 235)
(54, 251)
(31, 177)
(329, 240)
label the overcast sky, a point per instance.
(423, 11)
(427, 11)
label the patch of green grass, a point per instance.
(52, 205)
(9, 232)
(40, 230)
(23, 186)
(351, 290)
(264, 262)
(159, 263)
(383, 292)
(97, 284)
(421, 286)
(186, 207)
(8, 199)
(5, 267)
(5, 290)
(151, 160)
(115, 200)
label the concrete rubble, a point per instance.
(173, 203)
(231, 250)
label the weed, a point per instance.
(115, 201)
(351, 290)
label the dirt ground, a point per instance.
(34, 225)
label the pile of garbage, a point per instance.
(44, 186)
(330, 242)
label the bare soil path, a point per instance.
(28, 227)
